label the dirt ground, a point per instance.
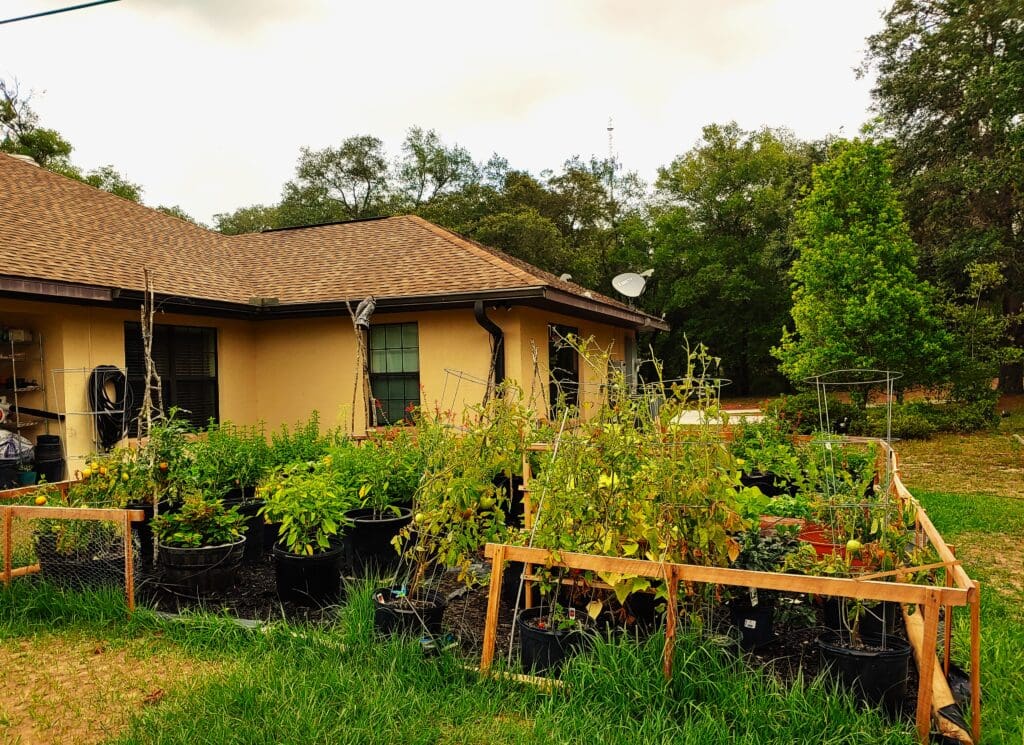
(987, 463)
(77, 691)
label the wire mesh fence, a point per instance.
(75, 549)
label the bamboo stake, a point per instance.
(926, 667)
(976, 663)
(25, 571)
(528, 525)
(493, 604)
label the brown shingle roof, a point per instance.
(54, 228)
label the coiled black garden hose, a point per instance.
(111, 413)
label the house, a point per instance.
(257, 327)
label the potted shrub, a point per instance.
(753, 611)
(200, 545)
(381, 476)
(457, 507)
(549, 635)
(307, 502)
(228, 462)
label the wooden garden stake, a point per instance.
(927, 667)
(129, 564)
(947, 632)
(976, 663)
(671, 622)
(493, 605)
(8, 533)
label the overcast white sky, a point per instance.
(207, 102)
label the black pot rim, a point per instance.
(833, 643)
(336, 548)
(366, 515)
(435, 598)
(164, 547)
(529, 613)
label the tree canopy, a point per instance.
(857, 302)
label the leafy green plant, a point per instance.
(308, 502)
(227, 456)
(457, 508)
(303, 442)
(200, 522)
(381, 473)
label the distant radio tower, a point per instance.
(611, 160)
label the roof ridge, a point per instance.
(474, 248)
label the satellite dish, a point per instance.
(629, 284)
(565, 277)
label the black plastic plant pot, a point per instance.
(874, 620)
(309, 580)
(756, 623)
(543, 650)
(368, 542)
(770, 484)
(239, 495)
(253, 531)
(201, 570)
(421, 615)
(876, 673)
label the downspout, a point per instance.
(497, 342)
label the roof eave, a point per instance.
(619, 316)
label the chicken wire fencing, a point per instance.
(70, 549)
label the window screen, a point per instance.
(395, 370)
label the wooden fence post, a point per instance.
(493, 606)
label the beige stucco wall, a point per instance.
(78, 338)
(279, 371)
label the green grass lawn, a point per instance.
(292, 685)
(988, 532)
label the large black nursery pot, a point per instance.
(201, 570)
(876, 675)
(544, 650)
(421, 615)
(368, 542)
(89, 567)
(756, 623)
(309, 580)
(253, 531)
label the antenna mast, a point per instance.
(611, 161)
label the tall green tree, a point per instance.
(428, 168)
(251, 219)
(857, 301)
(950, 81)
(347, 182)
(721, 248)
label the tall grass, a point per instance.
(342, 685)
